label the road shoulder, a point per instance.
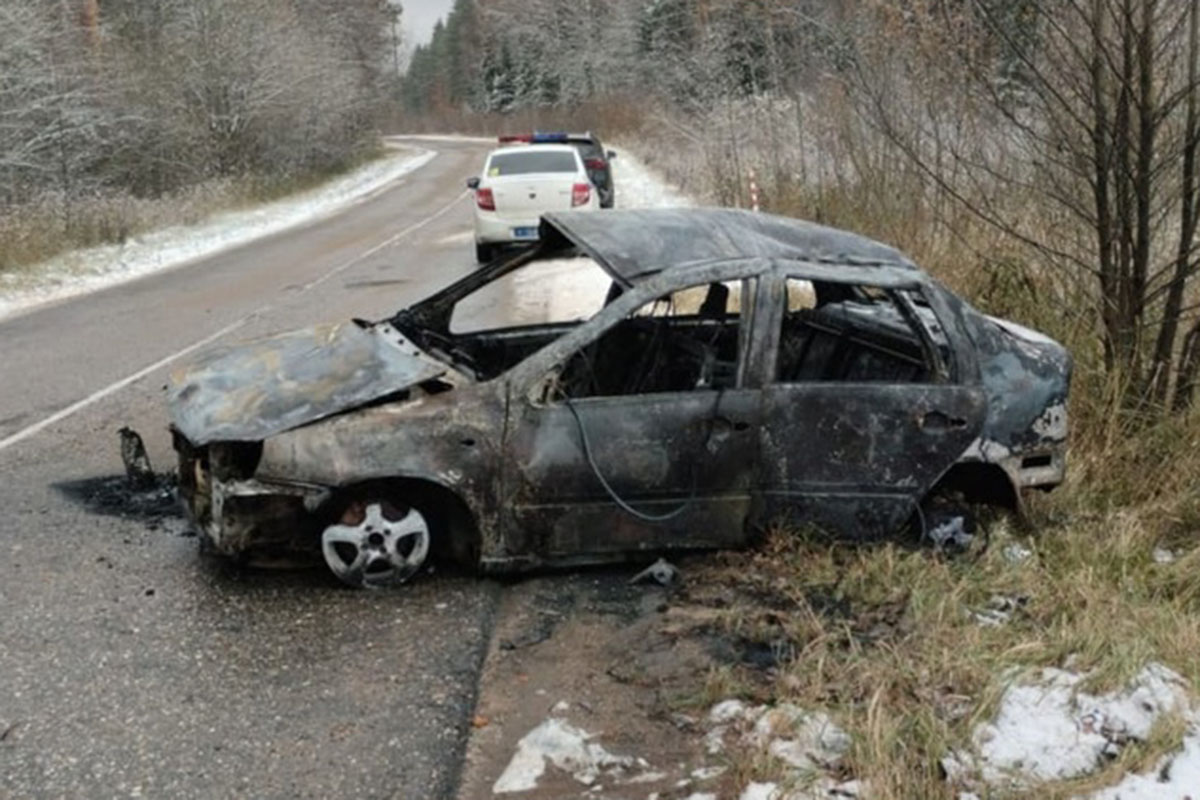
(590, 657)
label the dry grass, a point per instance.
(34, 232)
(884, 638)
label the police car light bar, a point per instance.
(537, 137)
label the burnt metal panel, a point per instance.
(682, 456)
(633, 243)
(858, 457)
(250, 391)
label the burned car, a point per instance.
(692, 374)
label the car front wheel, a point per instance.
(377, 543)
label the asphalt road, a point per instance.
(129, 665)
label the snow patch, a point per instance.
(1016, 553)
(88, 270)
(761, 791)
(727, 711)
(999, 610)
(1176, 775)
(707, 773)
(952, 531)
(714, 740)
(802, 740)
(1164, 555)
(638, 186)
(808, 744)
(564, 746)
(1051, 730)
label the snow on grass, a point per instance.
(1175, 776)
(82, 271)
(637, 186)
(807, 746)
(1050, 729)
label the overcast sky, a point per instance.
(419, 17)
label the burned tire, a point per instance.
(377, 542)
(948, 521)
(953, 524)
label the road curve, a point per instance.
(130, 666)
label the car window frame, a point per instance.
(959, 367)
(527, 374)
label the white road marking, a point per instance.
(38, 427)
(112, 388)
(416, 226)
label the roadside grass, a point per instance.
(35, 232)
(885, 637)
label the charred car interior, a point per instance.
(636, 382)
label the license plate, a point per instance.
(525, 233)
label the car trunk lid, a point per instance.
(528, 196)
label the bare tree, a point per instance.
(1086, 113)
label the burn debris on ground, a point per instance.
(154, 505)
(662, 572)
(137, 464)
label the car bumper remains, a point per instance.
(264, 523)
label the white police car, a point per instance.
(520, 183)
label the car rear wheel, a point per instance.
(377, 543)
(484, 252)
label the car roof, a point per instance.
(636, 243)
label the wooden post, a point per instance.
(90, 17)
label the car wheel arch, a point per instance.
(456, 532)
(979, 483)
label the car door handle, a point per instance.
(940, 421)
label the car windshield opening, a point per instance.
(509, 318)
(531, 162)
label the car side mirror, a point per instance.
(611, 155)
(472, 183)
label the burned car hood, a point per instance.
(256, 389)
